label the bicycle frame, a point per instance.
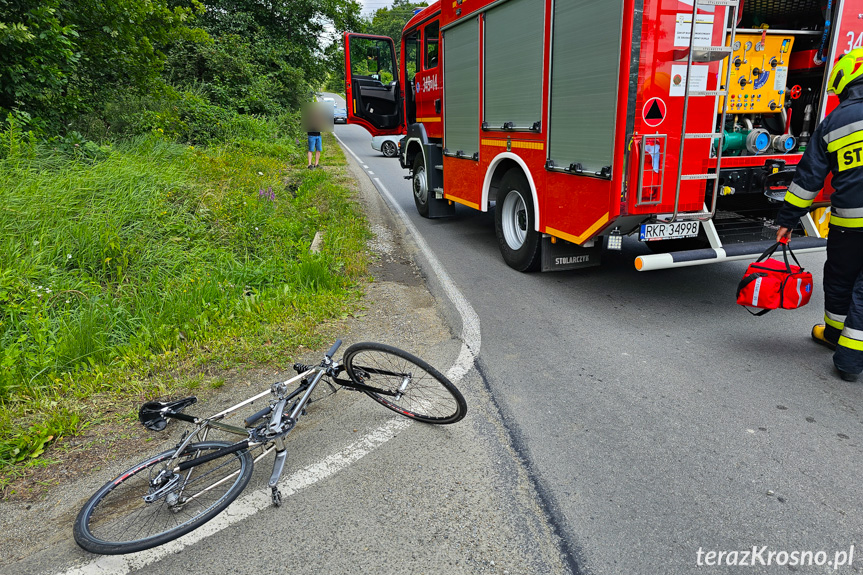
(278, 425)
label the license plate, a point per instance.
(673, 231)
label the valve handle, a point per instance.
(795, 92)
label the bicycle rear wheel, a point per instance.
(404, 383)
(153, 503)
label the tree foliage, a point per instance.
(77, 62)
(66, 56)
(280, 40)
(391, 21)
(38, 52)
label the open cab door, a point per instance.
(371, 84)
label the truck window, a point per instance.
(372, 58)
(412, 56)
(432, 31)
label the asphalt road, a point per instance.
(656, 418)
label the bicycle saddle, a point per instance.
(150, 414)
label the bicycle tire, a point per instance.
(117, 520)
(428, 397)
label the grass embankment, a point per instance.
(115, 271)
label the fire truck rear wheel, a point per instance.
(419, 182)
(514, 223)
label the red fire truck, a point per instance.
(679, 122)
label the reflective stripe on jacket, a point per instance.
(836, 146)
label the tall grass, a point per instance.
(112, 262)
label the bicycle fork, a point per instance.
(275, 423)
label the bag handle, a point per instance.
(786, 245)
(786, 249)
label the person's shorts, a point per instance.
(315, 144)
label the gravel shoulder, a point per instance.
(453, 499)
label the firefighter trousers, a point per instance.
(843, 297)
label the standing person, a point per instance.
(314, 122)
(316, 146)
(836, 147)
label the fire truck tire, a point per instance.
(419, 183)
(514, 223)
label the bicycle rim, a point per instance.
(404, 383)
(118, 519)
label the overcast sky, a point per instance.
(370, 6)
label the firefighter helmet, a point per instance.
(848, 69)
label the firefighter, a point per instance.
(837, 146)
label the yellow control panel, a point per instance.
(759, 72)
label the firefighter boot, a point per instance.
(851, 377)
(818, 336)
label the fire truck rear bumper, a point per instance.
(650, 262)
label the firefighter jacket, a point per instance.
(836, 146)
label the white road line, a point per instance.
(248, 504)
(470, 336)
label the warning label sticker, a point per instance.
(678, 79)
(703, 29)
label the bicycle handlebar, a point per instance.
(334, 349)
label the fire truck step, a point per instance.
(708, 93)
(686, 258)
(710, 53)
(698, 177)
(694, 135)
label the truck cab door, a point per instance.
(371, 84)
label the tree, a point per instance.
(265, 55)
(391, 21)
(37, 55)
(68, 56)
(296, 32)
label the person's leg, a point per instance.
(843, 298)
(848, 356)
(311, 149)
(318, 147)
(841, 269)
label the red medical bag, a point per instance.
(771, 284)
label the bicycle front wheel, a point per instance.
(154, 502)
(404, 383)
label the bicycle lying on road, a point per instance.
(177, 491)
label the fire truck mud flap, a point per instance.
(562, 255)
(685, 258)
